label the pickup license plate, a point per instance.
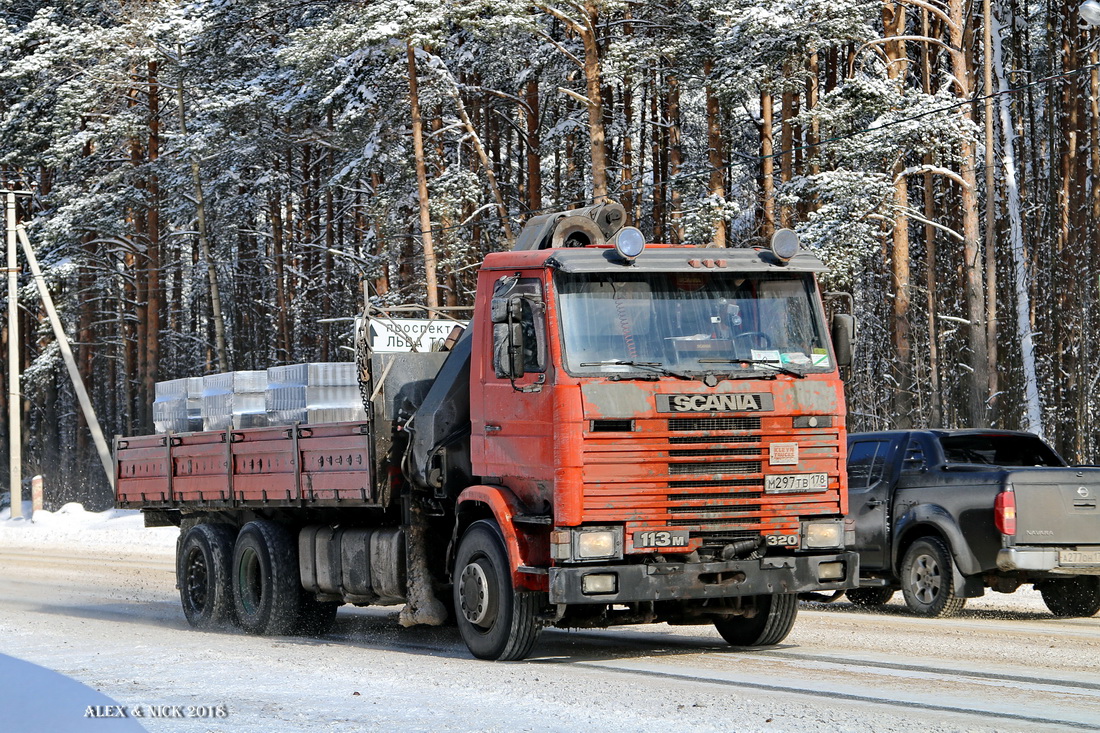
(1076, 557)
(789, 483)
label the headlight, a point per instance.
(820, 535)
(597, 543)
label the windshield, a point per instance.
(712, 322)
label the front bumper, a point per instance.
(682, 581)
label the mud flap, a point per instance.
(421, 605)
(966, 586)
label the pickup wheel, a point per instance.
(495, 620)
(202, 574)
(1077, 596)
(266, 587)
(872, 597)
(927, 579)
(774, 619)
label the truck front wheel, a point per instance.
(495, 620)
(266, 588)
(927, 579)
(1077, 596)
(202, 574)
(774, 619)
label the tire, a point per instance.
(495, 620)
(774, 619)
(927, 579)
(203, 562)
(1067, 597)
(267, 591)
(869, 597)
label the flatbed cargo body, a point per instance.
(272, 467)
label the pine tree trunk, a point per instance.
(422, 184)
(767, 165)
(153, 284)
(534, 146)
(716, 184)
(675, 160)
(972, 260)
(204, 242)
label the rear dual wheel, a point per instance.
(203, 569)
(267, 590)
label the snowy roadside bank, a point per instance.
(116, 530)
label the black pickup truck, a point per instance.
(945, 514)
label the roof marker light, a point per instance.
(785, 245)
(629, 243)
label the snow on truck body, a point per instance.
(618, 437)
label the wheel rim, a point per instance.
(196, 579)
(477, 594)
(250, 580)
(925, 579)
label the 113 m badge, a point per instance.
(660, 538)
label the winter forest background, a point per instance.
(219, 182)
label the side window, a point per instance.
(530, 319)
(866, 463)
(914, 458)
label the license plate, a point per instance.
(661, 538)
(1076, 557)
(789, 483)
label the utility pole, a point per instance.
(15, 399)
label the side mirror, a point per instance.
(508, 339)
(844, 337)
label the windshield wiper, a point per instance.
(655, 366)
(771, 364)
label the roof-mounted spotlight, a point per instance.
(629, 243)
(785, 245)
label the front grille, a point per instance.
(714, 512)
(689, 439)
(716, 484)
(713, 467)
(715, 452)
(701, 473)
(688, 424)
(716, 497)
(721, 538)
(713, 525)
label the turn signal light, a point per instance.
(1004, 512)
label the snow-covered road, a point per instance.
(97, 602)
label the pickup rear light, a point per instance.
(1004, 512)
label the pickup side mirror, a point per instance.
(844, 337)
(508, 346)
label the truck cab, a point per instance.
(656, 437)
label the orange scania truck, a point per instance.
(623, 433)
